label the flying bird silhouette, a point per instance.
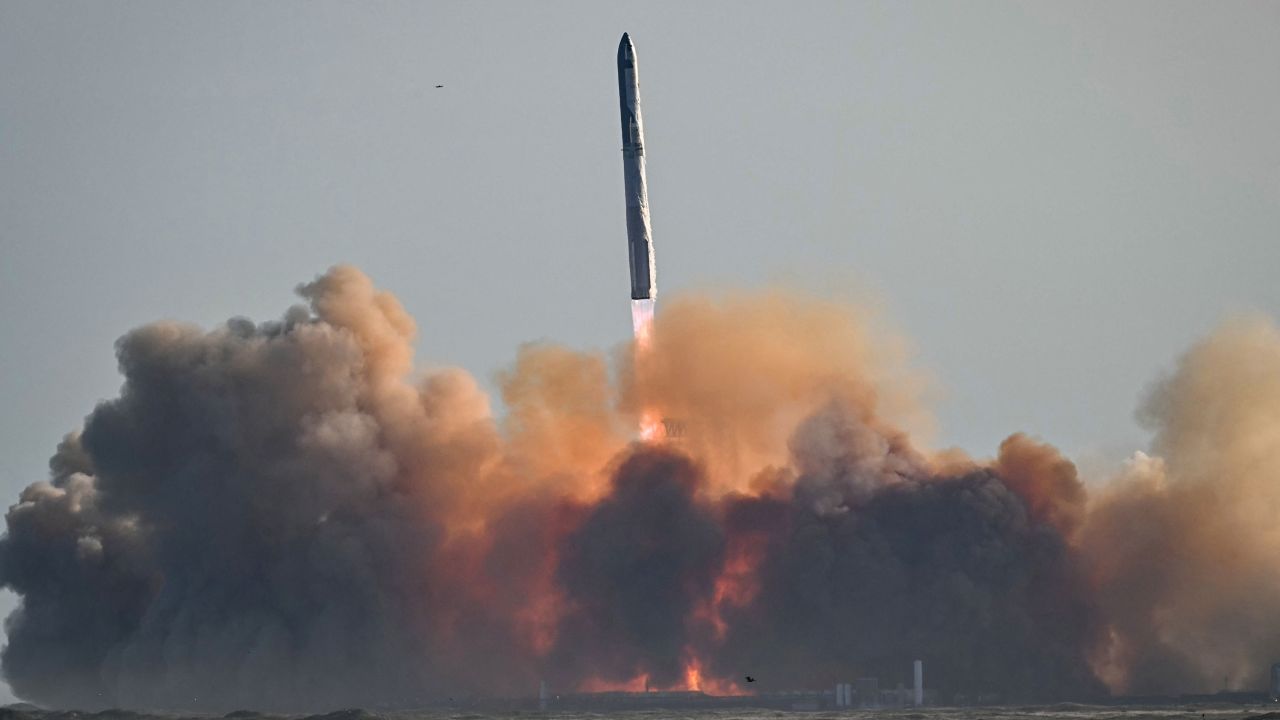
(749, 678)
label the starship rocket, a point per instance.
(639, 236)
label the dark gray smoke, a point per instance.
(634, 571)
(875, 561)
(238, 528)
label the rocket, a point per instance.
(639, 236)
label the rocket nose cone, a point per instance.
(626, 51)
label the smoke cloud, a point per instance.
(1182, 547)
(883, 562)
(288, 516)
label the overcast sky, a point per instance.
(1050, 200)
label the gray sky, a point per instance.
(1050, 200)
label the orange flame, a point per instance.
(739, 581)
(693, 675)
(642, 327)
(650, 426)
(639, 683)
(695, 680)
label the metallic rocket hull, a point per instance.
(639, 235)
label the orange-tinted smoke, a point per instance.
(1182, 548)
(739, 372)
(1179, 551)
(1045, 480)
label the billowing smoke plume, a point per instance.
(286, 516)
(1183, 547)
(634, 571)
(883, 562)
(265, 514)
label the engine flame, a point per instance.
(642, 327)
(642, 322)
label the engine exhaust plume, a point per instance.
(642, 322)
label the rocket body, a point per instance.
(639, 235)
